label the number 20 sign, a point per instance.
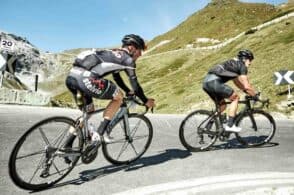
(6, 45)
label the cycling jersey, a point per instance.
(103, 62)
(229, 69)
(214, 82)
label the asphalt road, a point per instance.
(166, 168)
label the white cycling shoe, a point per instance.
(233, 129)
(97, 138)
(108, 139)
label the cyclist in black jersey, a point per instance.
(90, 68)
(236, 70)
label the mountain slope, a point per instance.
(219, 20)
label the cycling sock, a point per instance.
(231, 121)
(102, 127)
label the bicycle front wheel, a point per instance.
(196, 134)
(258, 128)
(128, 148)
(37, 161)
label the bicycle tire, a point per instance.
(189, 130)
(29, 140)
(113, 151)
(251, 134)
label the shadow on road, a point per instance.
(91, 174)
(235, 144)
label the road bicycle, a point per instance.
(38, 159)
(201, 128)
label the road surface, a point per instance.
(166, 168)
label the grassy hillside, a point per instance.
(220, 20)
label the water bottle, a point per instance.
(93, 133)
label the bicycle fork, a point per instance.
(121, 114)
(127, 128)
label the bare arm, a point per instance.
(246, 86)
(238, 83)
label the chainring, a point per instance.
(90, 155)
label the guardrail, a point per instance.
(13, 96)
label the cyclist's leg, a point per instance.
(110, 110)
(73, 86)
(226, 91)
(107, 90)
(233, 108)
(211, 88)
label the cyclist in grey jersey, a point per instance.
(214, 84)
(104, 62)
(90, 68)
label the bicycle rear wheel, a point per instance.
(195, 132)
(37, 161)
(124, 149)
(258, 128)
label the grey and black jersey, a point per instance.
(104, 62)
(229, 69)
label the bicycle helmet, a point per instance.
(245, 53)
(134, 40)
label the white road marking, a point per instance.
(216, 183)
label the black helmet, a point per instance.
(135, 40)
(245, 53)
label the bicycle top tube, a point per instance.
(126, 101)
(249, 98)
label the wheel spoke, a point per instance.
(134, 148)
(44, 136)
(32, 154)
(140, 137)
(59, 138)
(38, 167)
(119, 141)
(124, 147)
(56, 168)
(133, 132)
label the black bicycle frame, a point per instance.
(217, 116)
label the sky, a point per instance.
(57, 25)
